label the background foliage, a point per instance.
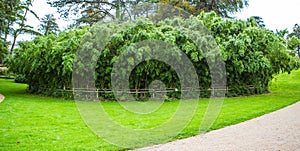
(90, 12)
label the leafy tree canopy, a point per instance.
(92, 11)
(222, 7)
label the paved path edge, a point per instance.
(283, 122)
(1, 98)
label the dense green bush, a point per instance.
(252, 55)
(20, 78)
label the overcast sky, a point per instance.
(277, 14)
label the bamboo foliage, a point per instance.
(252, 55)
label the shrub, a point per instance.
(20, 78)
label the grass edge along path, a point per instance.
(31, 122)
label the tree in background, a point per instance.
(296, 31)
(8, 16)
(92, 11)
(259, 21)
(185, 5)
(13, 20)
(222, 7)
(294, 44)
(21, 27)
(293, 36)
(89, 12)
(48, 25)
(8, 13)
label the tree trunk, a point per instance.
(118, 10)
(13, 44)
(17, 33)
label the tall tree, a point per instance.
(8, 16)
(8, 13)
(19, 26)
(48, 25)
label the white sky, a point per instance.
(276, 14)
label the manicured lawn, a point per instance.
(30, 122)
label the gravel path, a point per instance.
(1, 98)
(278, 130)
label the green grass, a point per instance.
(30, 122)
